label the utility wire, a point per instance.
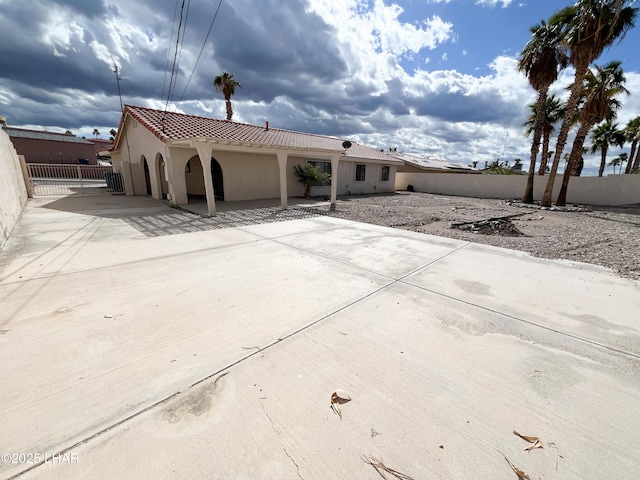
(175, 57)
(184, 33)
(201, 50)
(166, 66)
(124, 132)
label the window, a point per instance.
(361, 171)
(324, 167)
(384, 173)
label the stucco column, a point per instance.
(204, 152)
(175, 180)
(124, 168)
(154, 177)
(335, 159)
(282, 164)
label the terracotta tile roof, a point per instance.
(171, 126)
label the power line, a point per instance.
(166, 66)
(201, 50)
(124, 132)
(175, 57)
(184, 33)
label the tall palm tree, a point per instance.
(603, 136)
(226, 84)
(599, 91)
(553, 113)
(96, 132)
(541, 59)
(619, 161)
(632, 134)
(587, 28)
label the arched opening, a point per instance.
(194, 179)
(216, 175)
(147, 175)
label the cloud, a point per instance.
(493, 3)
(334, 68)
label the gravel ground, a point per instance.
(606, 236)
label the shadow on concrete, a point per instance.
(155, 218)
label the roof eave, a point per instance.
(232, 144)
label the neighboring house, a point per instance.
(49, 147)
(101, 145)
(413, 164)
(182, 157)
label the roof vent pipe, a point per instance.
(266, 127)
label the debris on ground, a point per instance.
(381, 468)
(338, 397)
(553, 445)
(534, 441)
(521, 475)
(492, 226)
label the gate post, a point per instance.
(80, 178)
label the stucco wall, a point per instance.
(346, 179)
(13, 193)
(248, 176)
(142, 145)
(195, 178)
(372, 182)
(610, 190)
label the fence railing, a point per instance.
(60, 179)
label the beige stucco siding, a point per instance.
(194, 178)
(248, 176)
(142, 143)
(372, 182)
(346, 179)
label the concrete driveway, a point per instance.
(140, 341)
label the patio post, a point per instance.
(335, 159)
(204, 152)
(282, 165)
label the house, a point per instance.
(182, 157)
(101, 145)
(414, 164)
(40, 146)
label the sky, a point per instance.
(434, 78)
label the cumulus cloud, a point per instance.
(493, 3)
(334, 68)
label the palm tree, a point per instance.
(632, 134)
(226, 84)
(619, 161)
(113, 134)
(541, 60)
(553, 112)
(602, 137)
(310, 175)
(599, 92)
(624, 158)
(96, 132)
(587, 28)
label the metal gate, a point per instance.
(62, 179)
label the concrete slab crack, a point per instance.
(284, 449)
